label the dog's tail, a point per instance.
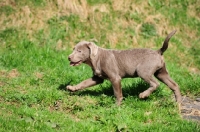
(165, 44)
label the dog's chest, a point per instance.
(99, 73)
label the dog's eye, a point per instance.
(79, 51)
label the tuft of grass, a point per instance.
(95, 2)
(7, 10)
(195, 50)
(148, 30)
(36, 3)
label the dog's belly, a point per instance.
(129, 73)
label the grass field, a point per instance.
(36, 36)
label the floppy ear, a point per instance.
(93, 49)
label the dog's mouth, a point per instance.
(75, 63)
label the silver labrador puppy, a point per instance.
(117, 64)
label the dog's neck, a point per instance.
(88, 62)
(95, 65)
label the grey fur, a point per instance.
(117, 64)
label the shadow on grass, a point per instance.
(134, 90)
(63, 86)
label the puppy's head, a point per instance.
(82, 52)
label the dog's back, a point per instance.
(128, 61)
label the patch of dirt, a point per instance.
(13, 73)
(2, 84)
(9, 74)
(56, 106)
(190, 108)
(2, 73)
(39, 75)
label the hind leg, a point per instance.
(164, 77)
(153, 86)
(146, 72)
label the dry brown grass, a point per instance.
(194, 11)
(74, 6)
(27, 18)
(33, 20)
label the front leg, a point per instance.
(86, 83)
(116, 83)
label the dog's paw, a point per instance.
(71, 88)
(119, 101)
(144, 94)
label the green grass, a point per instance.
(7, 10)
(34, 69)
